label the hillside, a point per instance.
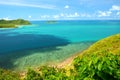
(110, 44)
(13, 23)
(101, 61)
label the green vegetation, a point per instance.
(100, 62)
(110, 44)
(8, 75)
(46, 73)
(51, 22)
(13, 23)
(94, 67)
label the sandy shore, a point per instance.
(68, 61)
(63, 64)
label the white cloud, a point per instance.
(118, 13)
(66, 6)
(19, 3)
(44, 16)
(72, 15)
(104, 13)
(29, 16)
(111, 11)
(6, 18)
(115, 7)
(61, 14)
(56, 16)
(85, 15)
(76, 14)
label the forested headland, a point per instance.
(13, 23)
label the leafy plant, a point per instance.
(46, 73)
(101, 61)
(33, 75)
(8, 75)
(106, 67)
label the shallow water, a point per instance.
(41, 56)
(43, 43)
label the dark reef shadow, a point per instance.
(21, 42)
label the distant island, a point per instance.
(13, 23)
(51, 22)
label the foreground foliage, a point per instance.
(100, 62)
(46, 73)
(94, 67)
(8, 75)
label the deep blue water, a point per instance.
(41, 34)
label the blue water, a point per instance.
(41, 35)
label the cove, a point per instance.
(42, 43)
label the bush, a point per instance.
(46, 73)
(95, 66)
(8, 75)
(101, 61)
(103, 67)
(32, 75)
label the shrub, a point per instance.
(8, 75)
(33, 75)
(52, 73)
(46, 73)
(105, 67)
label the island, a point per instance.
(51, 22)
(13, 23)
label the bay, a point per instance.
(42, 42)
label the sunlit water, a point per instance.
(42, 43)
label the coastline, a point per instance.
(68, 61)
(65, 63)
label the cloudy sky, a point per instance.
(60, 9)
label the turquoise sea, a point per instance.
(45, 43)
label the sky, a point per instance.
(60, 9)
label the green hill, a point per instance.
(13, 23)
(101, 61)
(110, 44)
